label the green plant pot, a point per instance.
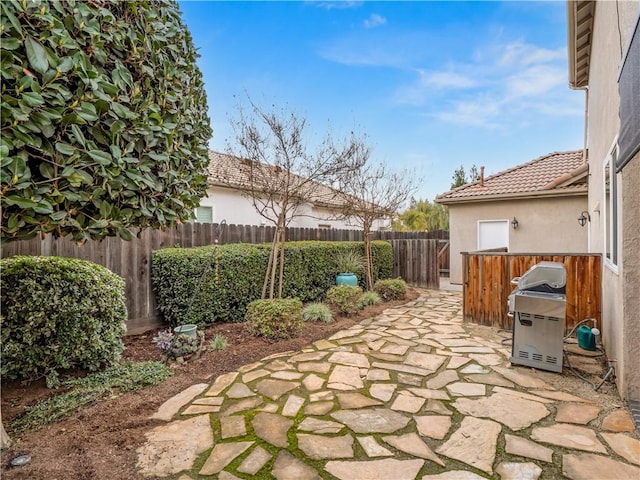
(188, 329)
(347, 279)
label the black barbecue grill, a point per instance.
(538, 307)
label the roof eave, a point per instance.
(580, 25)
(574, 192)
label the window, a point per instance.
(611, 209)
(493, 234)
(204, 215)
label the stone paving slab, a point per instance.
(411, 393)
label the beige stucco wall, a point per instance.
(545, 225)
(631, 276)
(231, 205)
(613, 23)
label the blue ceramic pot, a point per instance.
(347, 279)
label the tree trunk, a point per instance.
(267, 272)
(5, 440)
(282, 244)
(368, 257)
(279, 235)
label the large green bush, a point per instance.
(59, 313)
(187, 276)
(275, 318)
(104, 118)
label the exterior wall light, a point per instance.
(584, 218)
(514, 223)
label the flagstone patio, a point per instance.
(410, 394)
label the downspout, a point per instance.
(585, 151)
(586, 124)
(574, 80)
(584, 155)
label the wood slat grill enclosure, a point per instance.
(132, 260)
(416, 261)
(487, 285)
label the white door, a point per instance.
(493, 234)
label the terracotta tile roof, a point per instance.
(552, 174)
(229, 171)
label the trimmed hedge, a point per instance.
(59, 313)
(310, 270)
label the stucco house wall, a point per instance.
(631, 275)
(233, 206)
(613, 25)
(545, 225)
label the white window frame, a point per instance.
(195, 220)
(502, 222)
(611, 223)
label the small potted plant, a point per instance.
(349, 264)
(179, 345)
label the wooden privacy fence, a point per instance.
(132, 260)
(487, 285)
(417, 262)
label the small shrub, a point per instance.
(317, 312)
(391, 289)
(218, 343)
(370, 298)
(275, 318)
(57, 314)
(344, 298)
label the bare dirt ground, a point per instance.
(100, 441)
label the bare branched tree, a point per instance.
(374, 192)
(280, 173)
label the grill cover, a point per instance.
(550, 277)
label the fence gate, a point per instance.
(417, 262)
(444, 249)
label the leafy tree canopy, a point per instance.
(104, 118)
(422, 216)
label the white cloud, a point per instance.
(338, 4)
(368, 56)
(375, 49)
(446, 79)
(537, 80)
(523, 54)
(495, 88)
(428, 82)
(375, 20)
(479, 112)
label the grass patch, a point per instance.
(126, 377)
(218, 343)
(317, 312)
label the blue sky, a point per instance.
(434, 85)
